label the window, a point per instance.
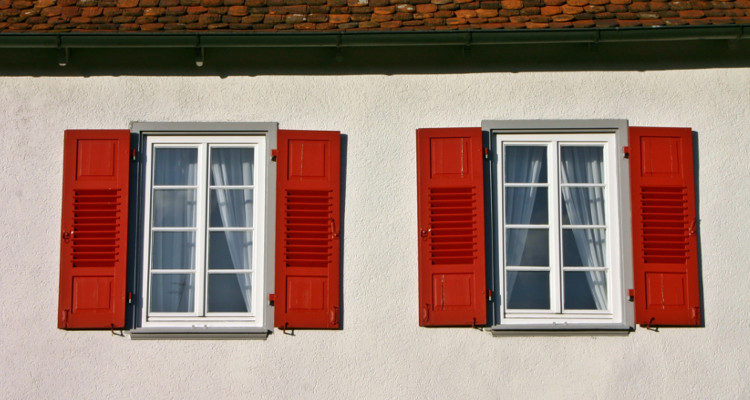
(200, 230)
(560, 241)
(204, 231)
(557, 225)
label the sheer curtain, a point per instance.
(234, 167)
(523, 164)
(585, 206)
(174, 249)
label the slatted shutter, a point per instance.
(664, 227)
(450, 186)
(94, 229)
(308, 222)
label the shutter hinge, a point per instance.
(631, 294)
(274, 153)
(334, 234)
(130, 297)
(335, 316)
(65, 318)
(426, 313)
(489, 294)
(271, 299)
(691, 228)
(486, 152)
(133, 154)
(626, 151)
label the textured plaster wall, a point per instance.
(381, 353)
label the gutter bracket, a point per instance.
(63, 53)
(200, 52)
(594, 46)
(339, 53)
(467, 45)
(734, 42)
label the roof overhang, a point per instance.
(94, 53)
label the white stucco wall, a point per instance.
(381, 353)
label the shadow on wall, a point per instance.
(611, 56)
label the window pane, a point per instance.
(230, 250)
(526, 205)
(583, 206)
(231, 166)
(526, 164)
(585, 290)
(582, 164)
(528, 290)
(174, 208)
(584, 247)
(527, 247)
(231, 208)
(173, 250)
(172, 292)
(229, 293)
(175, 166)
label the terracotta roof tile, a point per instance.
(353, 15)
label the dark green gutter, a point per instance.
(367, 39)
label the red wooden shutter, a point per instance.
(450, 186)
(308, 222)
(93, 249)
(665, 239)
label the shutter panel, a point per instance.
(94, 229)
(308, 222)
(665, 242)
(450, 186)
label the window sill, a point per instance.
(562, 330)
(199, 333)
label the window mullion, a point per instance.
(555, 217)
(201, 236)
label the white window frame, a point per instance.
(201, 324)
(612, 135)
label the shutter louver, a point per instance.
(93, 249)
(450, 186)
(308, 220)
(665, 245)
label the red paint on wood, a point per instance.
(308, 220)
(450, 186)
(665, 241)
(93, 248)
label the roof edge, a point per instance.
(370, 39)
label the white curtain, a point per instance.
(233, 167)
(173, 250)
(585, 206)
(523, 164)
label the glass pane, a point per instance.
(174, 208)
(229, 293)
(583, 206)
(172, 292)
(526, 164)
(526, 205)
(527, 247)
(584, 247)
(173, 250)
(174, 166)
(230, 250)
(528, 290)
(231, 166)
(582, 164)
(585, 290)
(231, 208)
